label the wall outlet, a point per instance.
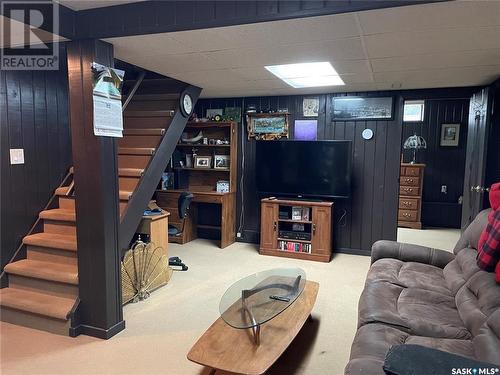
(444, 189)
(16, 156)
(238, 235)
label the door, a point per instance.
(268, 225)
(321, 232)
(475, 162)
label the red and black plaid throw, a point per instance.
(489, 254)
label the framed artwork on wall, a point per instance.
(450, 135)
(310, 107)
(359, 108)
(267, 126)
(305, 130)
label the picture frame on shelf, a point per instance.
(203, 162)
(450, 135)
(346, 108)
(222, 161)
(211, 113)
(222, 186)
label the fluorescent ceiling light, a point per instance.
(307, 75)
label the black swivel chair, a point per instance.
(184, 202)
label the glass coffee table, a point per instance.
(281, 298)
(260, 297)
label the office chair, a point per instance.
(184, 202)
(185, 199)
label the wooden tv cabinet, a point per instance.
(315, 228)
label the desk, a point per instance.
(156, 226)
(167, 200)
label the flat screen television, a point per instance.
(304, 168)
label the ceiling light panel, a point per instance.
(315, 74)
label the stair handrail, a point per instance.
(51, 200)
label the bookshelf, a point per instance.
(296, 229)
(204, 220)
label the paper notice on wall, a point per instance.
(108, 117)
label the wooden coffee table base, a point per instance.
(223, 347)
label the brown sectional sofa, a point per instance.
(429, 297)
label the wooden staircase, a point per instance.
(43, 288)
(143, 131)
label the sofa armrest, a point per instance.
(416, 360)
(410, 253)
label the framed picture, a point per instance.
(232, 113)
(214, 112)
(359, 108)
(306, 130)
(221, 161)
(267, 126)
(310, 107)
(450, 134)
(202, 162)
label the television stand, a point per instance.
(298, 199)
(299, 229)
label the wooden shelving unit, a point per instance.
(317, 227)
(202, 183)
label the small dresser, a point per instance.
(410, 195)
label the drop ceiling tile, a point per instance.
(357, 78)
(148, 45)
(413, 43)
(462, 75)
(344, 49)
(450, 14)
(290, 32)
(437, 60)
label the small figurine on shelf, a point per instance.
(217, 118)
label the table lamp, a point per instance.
(415, 142)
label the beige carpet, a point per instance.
(161, 330)
(439, 238)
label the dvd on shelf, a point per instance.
(297, 247)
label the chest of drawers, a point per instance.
(410, 195)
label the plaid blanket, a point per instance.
(489, 253)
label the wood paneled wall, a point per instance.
(371, 213)
(444, 165)
(33, 116)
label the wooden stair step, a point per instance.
(62, 273)
(61, 190)
(136, 151)
(130, 172)
(51, 240)
(58, 214)
(152, 131)
(37, 303)
(125, 195)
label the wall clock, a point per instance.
(367, 134)
(186, 105)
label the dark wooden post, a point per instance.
(97, 204)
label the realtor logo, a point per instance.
(29, 35)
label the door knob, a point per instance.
(479, 189)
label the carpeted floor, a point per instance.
(161, 330)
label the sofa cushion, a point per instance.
(373, 341)
(408, 274)
(477, 300)
(417, 311)
(461, 269)
(487, 342)
(470, 237)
